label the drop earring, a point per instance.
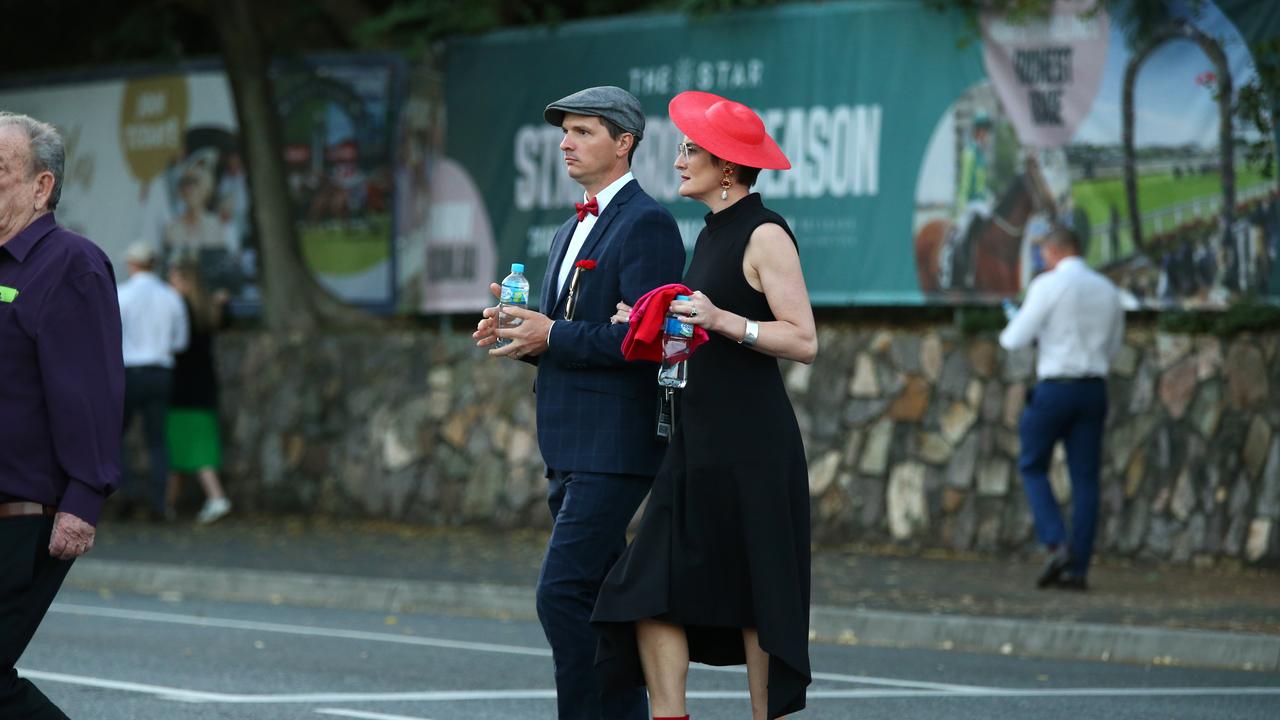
(726, 183)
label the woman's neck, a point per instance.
(715, 204)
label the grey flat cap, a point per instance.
(611, 103)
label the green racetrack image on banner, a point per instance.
(926, 153)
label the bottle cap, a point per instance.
(682, 298)
(517, 267)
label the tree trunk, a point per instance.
(292, 300)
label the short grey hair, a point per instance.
(48, 154)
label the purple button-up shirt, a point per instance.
(61, 372)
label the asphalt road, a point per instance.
(139, 658)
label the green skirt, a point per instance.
(194, 442)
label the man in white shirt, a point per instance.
(1074, 316)
(153, 320)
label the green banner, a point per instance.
(926, 151)
(849, 91)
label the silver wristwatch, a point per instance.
(752, 332)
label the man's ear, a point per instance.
(625, 143)
(44, 190)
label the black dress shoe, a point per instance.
(1054, 567)
(1067, 581)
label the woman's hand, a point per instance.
(623, 316)
(698, 310)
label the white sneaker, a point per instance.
(214, 509)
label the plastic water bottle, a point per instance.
(676, 335)
(515, 293)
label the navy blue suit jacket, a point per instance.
(596, 411)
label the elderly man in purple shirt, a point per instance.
(61, 396)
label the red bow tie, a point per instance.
(592, 207)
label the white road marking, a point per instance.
(365, 715)
(196, 696)
(160, 691)
(1147, 692)
(887, 687)
(859, 680)
(304, 630)
(335, 633)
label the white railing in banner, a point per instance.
(1173, 216)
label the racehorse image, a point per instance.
(987, 260)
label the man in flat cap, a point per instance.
(595, 409)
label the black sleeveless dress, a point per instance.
(724, 540)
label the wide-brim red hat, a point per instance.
(727, 129)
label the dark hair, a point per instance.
(203, 310)
(616, 131)
(1063, 237)
(745, 175)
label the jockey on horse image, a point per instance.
(981, 252)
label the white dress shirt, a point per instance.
(1075, 317)
(153, 321)
(581, 232)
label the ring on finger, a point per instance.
(693, 313)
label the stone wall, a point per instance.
(911, 435)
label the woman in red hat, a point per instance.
(719, 570)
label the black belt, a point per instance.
(1082, 378)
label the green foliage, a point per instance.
(980, 320)
(1140, 20)
(1186, 322)
(1018, 11)
(1256, 103)
(417, 22)
(420, 23)
(1247, 315)
(707, 7)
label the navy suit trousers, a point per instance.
(146, 393)
(1074, 412)
(591, 512)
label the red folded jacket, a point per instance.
(644, 336)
